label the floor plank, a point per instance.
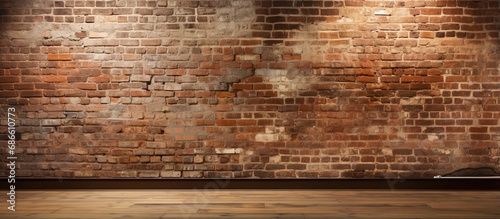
(253, 204)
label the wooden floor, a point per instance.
(96, 204)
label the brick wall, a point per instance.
(251, 89)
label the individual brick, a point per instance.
(60, 57)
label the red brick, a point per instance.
(242, 86)
(488, 122)
(289, 57)
(55, 79)
(430, 11)
(99, 79)
(246, 122)
(140, 93)
(225, 122)
(62, 11)
(417, 86)
(60, 57)
(225, 94)
(150, 42)
(85, 86)
(209, 65)
(353, 3)
(4, 94)
(9, 79)
(31, 93)
(480, 137)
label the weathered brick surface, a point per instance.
(251, 88)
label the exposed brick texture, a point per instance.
(250, 88)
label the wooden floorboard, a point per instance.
(196, 203)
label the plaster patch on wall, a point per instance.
(345, 20)
(432, 137)
(272, 137)
(275, 159)
(273, 134)
(387, 151)
(228, 150)
(288, 82)
(443, 151)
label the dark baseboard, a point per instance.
(386, 184)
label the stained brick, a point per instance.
(480, 137)
(364, 166)
(62, 11)
(9, 79)
(60, 57)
